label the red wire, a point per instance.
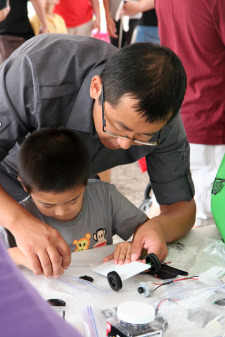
(180, 279)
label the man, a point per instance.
(195, 31)
(124, 104)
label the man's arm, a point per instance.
(46, 250)
(39, 9)
(174, 222)
(133, 7)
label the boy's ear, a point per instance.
(22, 184)
(96, 87)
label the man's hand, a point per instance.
(121, 254)
(45, 249)
(149, 236)
(173, 222)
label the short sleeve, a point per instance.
(169, 166)
(125, 215)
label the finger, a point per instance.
(35, 264)
(123, 253)
(108, 258)
(64, 252)
(160, 252)
(45, 263)
(55, 261)
(136, 248)
(128, 254)
(117, 253)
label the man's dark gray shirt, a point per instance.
(46, 83)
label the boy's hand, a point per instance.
(121, 254)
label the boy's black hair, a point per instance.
(53, 160)
(150, 73)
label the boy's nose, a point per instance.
(60, 211)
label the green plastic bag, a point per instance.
(218, 199)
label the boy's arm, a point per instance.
(96, 9)
(39, 9)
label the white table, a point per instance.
(104, 297)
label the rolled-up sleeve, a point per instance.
(169, 166)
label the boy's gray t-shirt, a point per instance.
(105, 212)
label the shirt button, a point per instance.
(184, 157)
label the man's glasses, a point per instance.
(112, 134)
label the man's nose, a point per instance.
(124, 143)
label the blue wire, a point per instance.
(94, 328)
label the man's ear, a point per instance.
(96, 87)
(22, 184)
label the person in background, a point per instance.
(113, 27)
(16, 27)
(195, 31)
(4, 9)
(78, 16)
(147, 28)
(55, 23)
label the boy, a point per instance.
(53, 166)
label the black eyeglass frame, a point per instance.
(156, 143)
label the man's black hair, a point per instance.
(152, 74)
(53, 160)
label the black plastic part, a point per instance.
(220, 302)
(56, 302)
(154, 261)
(140, 290)
(87, 278)
(114, 280)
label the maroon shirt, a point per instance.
(195, 31)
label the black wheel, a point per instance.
(154, 261)
(114, 280)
